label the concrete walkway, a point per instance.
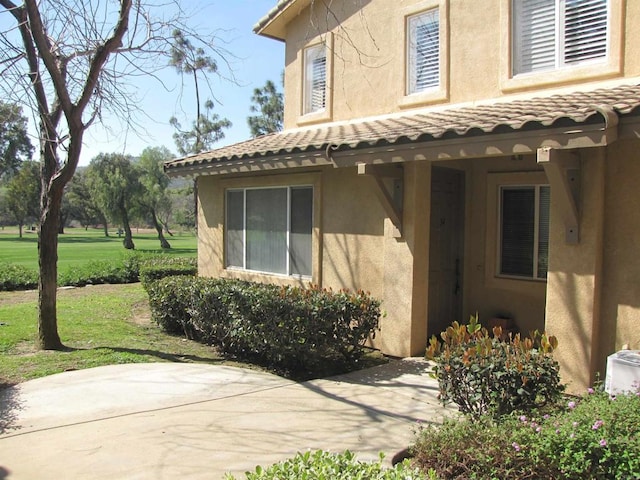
(188, 421)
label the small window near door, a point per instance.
(524, 231)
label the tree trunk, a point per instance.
(105, 225)
(48, 338)
(20, 229)
(128, 236)
(163, 241)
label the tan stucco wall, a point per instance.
(353, 244)
(368, 56)
(621, 269)
(485, 292)
(593, 298)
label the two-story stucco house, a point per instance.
(449, 156)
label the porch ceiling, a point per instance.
(429, 126)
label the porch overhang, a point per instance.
(564, 122)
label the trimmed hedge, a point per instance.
(17, 277)
(130, 268)
(290, 329)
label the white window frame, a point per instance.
(413, 23)
(243, 267)
(311, 55)
(536, 235)
(556, 39)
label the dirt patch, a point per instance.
(29, 296)
(141, 313)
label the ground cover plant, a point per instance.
(515, 422)
(595, 436)
(321, 465)
(101, 325)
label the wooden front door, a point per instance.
(446, 247)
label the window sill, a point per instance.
(264, 277)
(439, 95)
(315, 117)
(529, 81)
(515, 284)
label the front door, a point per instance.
(445, 251)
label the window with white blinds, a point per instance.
(315, 79)
(551, 34)
(423, 51)
(269, 230)
(524, 231)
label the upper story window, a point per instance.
(315, 79)
(552, 34)
(423, 50)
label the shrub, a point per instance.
(466, 449)
(322, 465)
(159, 266)
(94, 272)
(483, 374)
(169, 301)
(290, 329)
(131, 267)
(17, 277)
(595, 437)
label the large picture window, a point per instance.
(269, 229)
(552, 34)
(423, 51)
(524, 231)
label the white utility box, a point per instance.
(623, 372)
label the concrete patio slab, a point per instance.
(167, 420)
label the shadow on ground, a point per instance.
(10, 405)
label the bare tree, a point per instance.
(71, 62)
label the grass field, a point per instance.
(77, 246)
(101, 325)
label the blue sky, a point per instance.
(255, 60)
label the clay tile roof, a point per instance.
(530, 114)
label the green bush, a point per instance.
(131, 267)
(485, 375)
(322, 465)
(595, 437)
(466, 449)
(159, 266)
(94, 273)
(289, 329)
(17, 277)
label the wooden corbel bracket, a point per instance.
(563, 172)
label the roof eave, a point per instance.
(475, 146)
(274, 23)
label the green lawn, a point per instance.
(77, 246)
(101, 325)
